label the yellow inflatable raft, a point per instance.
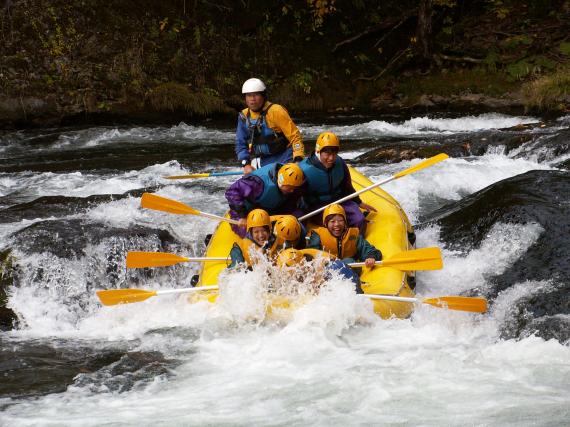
(387, 230)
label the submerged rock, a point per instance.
(538, 197)
(7, 316)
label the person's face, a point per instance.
(260, 235)
(328, 157)
(336, 225)
(287, 189)
(254, 101)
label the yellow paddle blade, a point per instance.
(426, 163)
(124, 296)
(418, 259)
(152, 259)
(473, 304)
(192, 175)
(158, 203)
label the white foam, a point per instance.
(503, 245)
(419, 126)
(451, 179)
(94, 137)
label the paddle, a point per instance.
(418, 259)
(422, 165)
(204, 175)
(472, 304)
(161, 259)
(159, 203)
(127, 296)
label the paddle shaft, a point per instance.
(392, 298)
(219, 218)
(350, 196)
(204, 175)
(426, 163)
(188, 290)
(164, 204)
(361, 264)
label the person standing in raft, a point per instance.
(328, 179)
(265, 133)
(341, 241)
(275, 188)
(258, 242)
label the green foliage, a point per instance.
(103, 106)
(173, 96)
(477, 80)
(548, 92)
(362, 59)
(530, 65)
(491, 60)
(58, 36)
(499, 8)
(445, 3)
(565, 48)
(303, 80)
(517, 42)
(519, 69)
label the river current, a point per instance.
(499, 209)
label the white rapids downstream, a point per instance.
(334, 362)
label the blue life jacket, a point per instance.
(263, 141)
(323, 185)
(271, 198)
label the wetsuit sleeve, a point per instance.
(247, 188)
(314, 242)
(236, 255)
(365, 250)
(279, 120)
(346, 184)
(242, 136)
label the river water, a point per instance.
(69, 212)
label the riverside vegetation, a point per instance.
(67, 61)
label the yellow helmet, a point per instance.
(333, 209)
(289, 258)
(290, 174)
(326, 139)
(258, 218)
(288, 228)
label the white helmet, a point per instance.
(253, 85)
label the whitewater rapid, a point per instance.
(333, 362)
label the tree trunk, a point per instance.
(423, 31)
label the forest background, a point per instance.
(74, 61)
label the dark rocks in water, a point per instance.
(7, 316)
(34, 368)
(548, 148)
(124, 374)
(28, 109)
(533, 315)
(57, 206)
(390, 151)
(539, 197)
(68, 238)
(122, 155)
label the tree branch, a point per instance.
(459, 59)
(376, 28)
